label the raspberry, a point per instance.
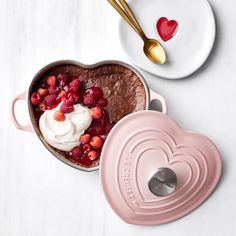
(77, 153)
(87, 147)
(85, 138)
(50, 99)
(88, 100)
(70, 101)
(96, 112)
(96, 142)
(66, 108)
(59, 116)
(97, 128)
(102, 102)
(42, 92)
(35, 98)
(61, 95)
(75, 85)
(63, 79)
(92, 155)
(75, 97)
(51, 80)
(54, 90)
(95, 91)
(85, 160)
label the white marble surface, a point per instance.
(41, 196)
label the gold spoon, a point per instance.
(152, 48)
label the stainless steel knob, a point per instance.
(163, 182)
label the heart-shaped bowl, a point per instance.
(123, 86)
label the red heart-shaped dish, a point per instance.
(144, 142)
(166, 29)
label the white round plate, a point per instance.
(187, 50)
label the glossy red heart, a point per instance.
(167, 29)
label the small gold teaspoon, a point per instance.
(152, 48)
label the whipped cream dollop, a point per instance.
(65, 135)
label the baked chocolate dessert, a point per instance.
(121, 86)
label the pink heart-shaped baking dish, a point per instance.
(139, 145)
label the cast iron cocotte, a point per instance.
(33, 125)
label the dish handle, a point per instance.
(15, 122)
(156, 96)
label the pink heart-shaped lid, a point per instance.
(153, 172)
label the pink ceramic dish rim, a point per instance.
(150, 96)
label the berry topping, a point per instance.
(75, 97)
(35, 99)
(50, 99)
(85, 138)
(44, 85)
(63, 79)
(96, 112)
(42, 92)
(42, 106)
(88, 100)
(85, 160)
(68, 90)
(96, 142)
(87, 147)
(70, 101)
(38, 112)
(95, 91)
(109, 126)
(61, 95)
(75, 85)
(102, 102)
(59, 116)
(51, 80)
(97, 127)
(54, 90)
(66, 107)
(92, 155)
(76, 153)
